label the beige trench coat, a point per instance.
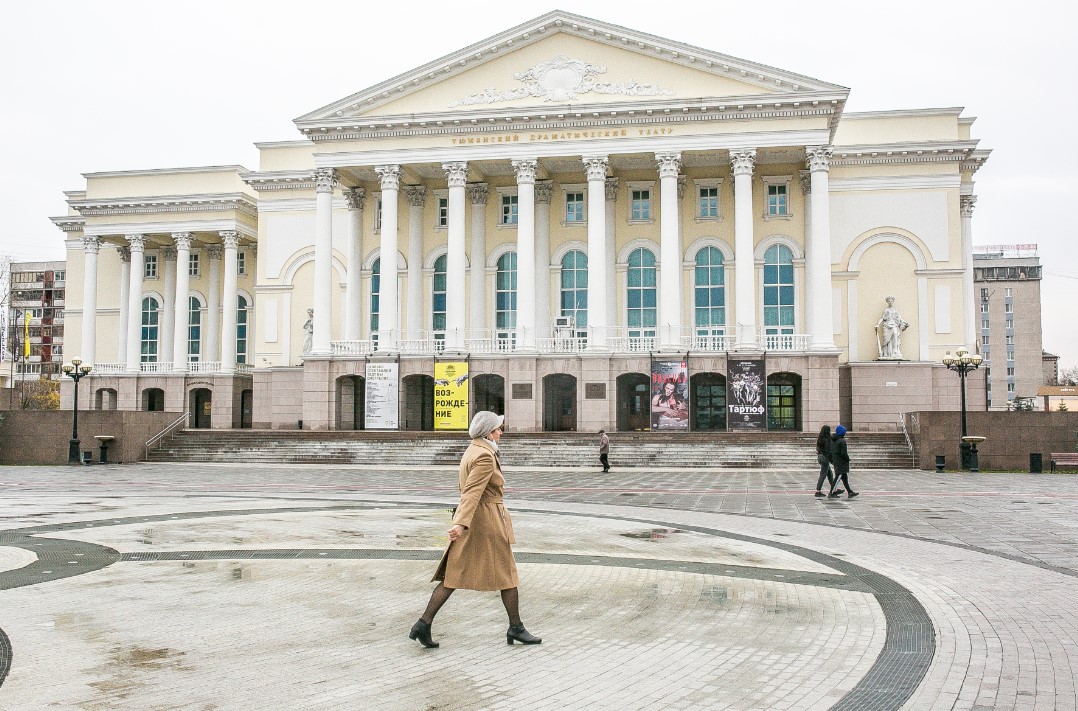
(481, 558)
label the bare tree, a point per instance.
(1069, 376)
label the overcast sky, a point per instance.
(95, 86)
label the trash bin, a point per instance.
(1035, 465)
(87, 457)
(941, 462)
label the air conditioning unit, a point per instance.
(563, 322)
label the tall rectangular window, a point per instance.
(574, 207)
(708, 203)
(640, 208)
(777, 204)
(192, 265)
(378, 214)
(984, 294)
(443, 212)
(509, 209)
(241, 264)
(151, 266)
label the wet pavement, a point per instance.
(288, 586)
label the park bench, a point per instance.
(1064, 459)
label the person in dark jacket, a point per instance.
(840, 455)
(823, 456)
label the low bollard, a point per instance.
(941, 462)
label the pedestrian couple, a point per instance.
(831, 449)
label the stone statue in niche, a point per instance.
(308, 332)
(889, 332)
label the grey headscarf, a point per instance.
(484, 423)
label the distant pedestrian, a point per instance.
(840, 455)
(604, 450)
(824, 457)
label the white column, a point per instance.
(354, 197)
(168, 307)
(595, 167)
(125, 295)
(325, 180)
(211, 343)
(525, 170)
(743, 161)
(670, 252)
(806, 189)
(477, 276)
(416, 195)
(544, 193)
(231, 303)
(969, 305)
(455, 264)
(611, 252)
(182, 301)
(90, 249)
(823, 330)
(388, 316)
(133, 359)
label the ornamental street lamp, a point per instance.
(76, 371)
(962, 363)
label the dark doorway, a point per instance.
(247, 399)
(634, 402)
(707, 401)
(351, 394)
(153, 400)
(418, 403)
(784, 401)
(201, 408)
(489, 393)
(559, 403)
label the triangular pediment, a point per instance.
(562, 59)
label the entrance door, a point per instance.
(418, 403)
(350, 395)
(246, 405)
(634, 404)
(201, 408)
(784, 401)
(559, 403)
(707, 405)
(489, 393)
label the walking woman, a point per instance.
(479, 556)
(841, 455)
(824, 457)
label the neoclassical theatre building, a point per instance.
(574, 223)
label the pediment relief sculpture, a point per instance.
(561, 79)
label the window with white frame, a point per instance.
(375, 285)
(984, 324)
(241, 267)
(642, 296)
(438, 299)
(1008, 308)
(709, 284)
(574, 206)
(1010, 372)
(574, 290)
(1010, 389)
(241, 329)
(443, 212)
(640, 202)
(150, 272)
(776, 195)
(510, 206)
(1008, 293)
(150, 329)
(707, 199)
(505, 300)
(192, 264)
(984, 294)
(194, 330)
(984, 307)
(778, 290)
(984, 339)
(378, 214)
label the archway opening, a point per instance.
(418, 403)
(201, 400)
(559, 403)
(350, 396)
(153, 400)
(247, 399)
(489, 390)
(105, 399)
(784, 401)
(634, 402)
(707, 401)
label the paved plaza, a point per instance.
(204, 587)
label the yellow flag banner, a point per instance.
(451, 396)
(26, 336)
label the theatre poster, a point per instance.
(451, 395)
(746, 401)
(382, 405)
(669, 395)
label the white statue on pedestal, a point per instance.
(308, 332)
(889, 332)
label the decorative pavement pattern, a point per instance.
(288, 586)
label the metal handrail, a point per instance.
(163, 433)
(909, 441)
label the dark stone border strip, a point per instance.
(5, 656)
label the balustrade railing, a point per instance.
(156, 367)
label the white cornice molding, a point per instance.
(168, 228)
(161, 171)
(297, 205)
(562, 22)
(69, 223)
(904, 113)
(894, 182)
(239, 202)
(279, 179)
(977, 159)
(922, 152)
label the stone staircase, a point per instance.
(771, 450)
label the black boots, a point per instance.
(517, 633)
(421, 631)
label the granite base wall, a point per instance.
(1011, 437)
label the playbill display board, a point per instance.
(382, 406)
(669, 395)
(451, 396)
(745, 395)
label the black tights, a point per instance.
(510, 598)
(845, 480)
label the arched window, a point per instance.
(574, 291)
(642, 297)
(778, 290)
(150, 315)
(194, 330)
(241, 330)
(438, 302)
(375, 285)
(709, 313)
(505, 302)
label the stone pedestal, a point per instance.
(876, 394)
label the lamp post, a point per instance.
(962, 363)
(76, 371)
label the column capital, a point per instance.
(325, 179)
(743, 160)
(137, 243)
(169, 254)
(595, 167)
(966, 204)
(214, 251)
(456, 173)
(416, 195)
(544, 191)
(355, 197)
(91, 245)
(478, 192)
(125, 254)
(390, 175)
(525, 170)
(612, 189)
(230, 238)
(818, 157)
(669, 164)
(806, 181)
(182, 239)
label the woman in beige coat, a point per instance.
(479, 556)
